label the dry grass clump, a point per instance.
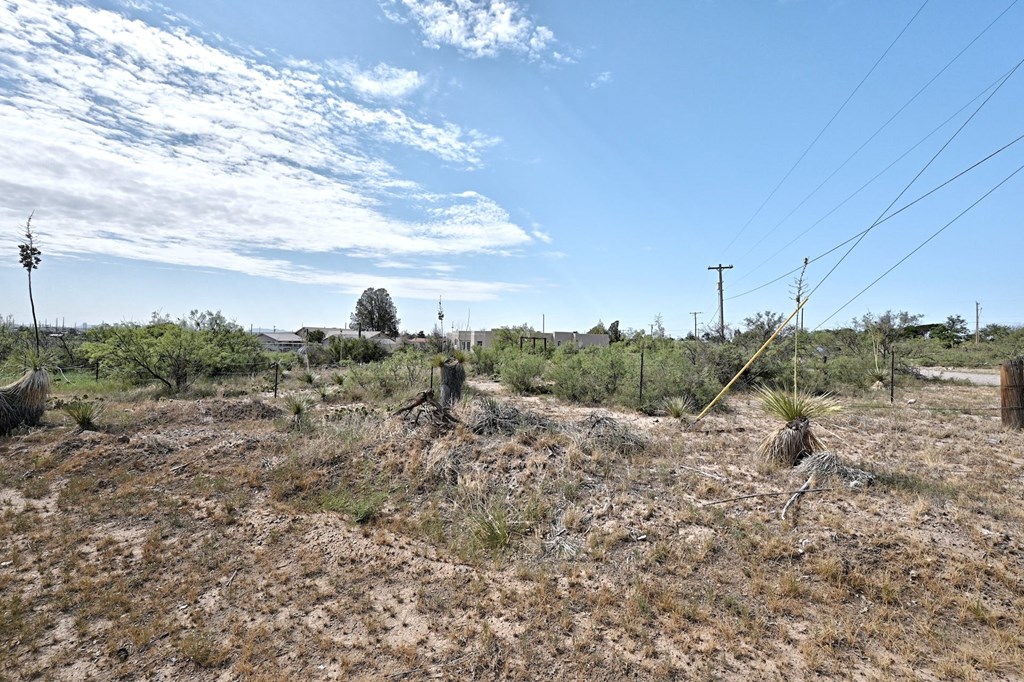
(489, 416)
(24, 401)
(610, 434)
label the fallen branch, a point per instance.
(178, 468)
(744, 497)
(704, 473)
(425, 399)
(805, 488)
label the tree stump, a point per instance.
(1011, 393)
(453, 375)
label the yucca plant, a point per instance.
(792, 442)
(678, 406)
(84, 413)
(24, 401)
(296, 407)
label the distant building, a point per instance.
(328, 331)
(281, 341)
(352, 334)
(468, 340)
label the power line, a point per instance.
(826, 127)
(914, 179)
(885, 125)
(888, 217)
(880, 173)
(921, 245)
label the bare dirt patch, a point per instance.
(214, 539)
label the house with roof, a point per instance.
(281, 341)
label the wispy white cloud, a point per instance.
(149, 142)
(603, 78)
(477, 28)
(540, 234)
(382, 81)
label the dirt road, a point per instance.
(979, 377)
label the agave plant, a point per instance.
(84, 412)
(793, 441)
(679, 406)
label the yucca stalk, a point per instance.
(24, 401)
(30, 257)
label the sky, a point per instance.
(552, 163)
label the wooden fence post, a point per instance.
(277, 375)
(1011, 393)
(641, 405)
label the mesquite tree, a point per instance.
(376, 311)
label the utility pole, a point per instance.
(695, 314)
(977, 322)
(721, 298)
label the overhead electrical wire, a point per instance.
(879, 173)
(879, 130)
(826, 127)
(920, 246)
(886, 218)
(914, 179)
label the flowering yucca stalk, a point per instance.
(794, 441)
(24, 401)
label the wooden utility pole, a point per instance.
(977, 322)
(695, 314)
(721, 297)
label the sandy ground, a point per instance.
(979, 377)
(206, 540)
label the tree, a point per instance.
(375, 311)
(614, 335)
(174, 353)
(598, 328)
(762, 325)
(886, 329)
(658, 327)
(952, 332)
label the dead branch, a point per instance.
(805, 488)
(744, 497)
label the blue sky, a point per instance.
(571, 159)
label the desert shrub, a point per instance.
(856, 371)
(398, 375)
(520, 372)
(593, 375)
(357, 350)
(486, 361)
(174, 353)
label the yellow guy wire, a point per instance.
(750, 362)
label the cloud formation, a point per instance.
(382, 81)
(477, 28)
(603, 78)
(149, 142)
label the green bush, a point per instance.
(520, 372)
(403, 373)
